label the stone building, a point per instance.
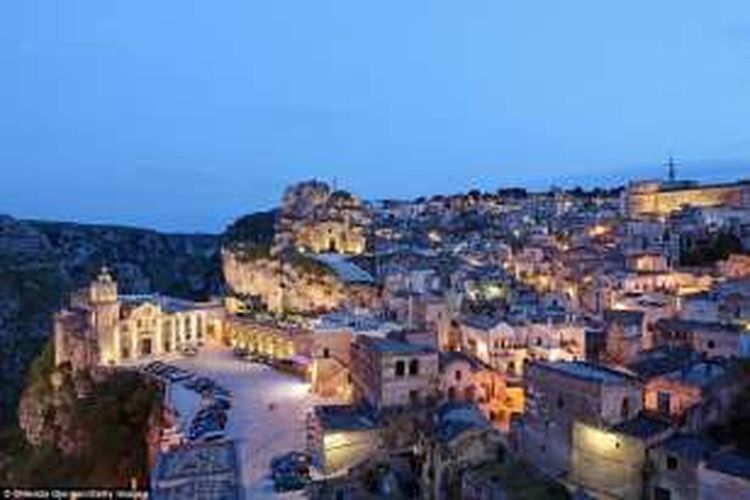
(465, 379)
(624, 335)
(387, 373)
(103, 327)
(314, 218)
(559, 394)
(711, 339)
(694, 396)
(340, 437)
(674, 467)
(457, 438)
(508, 346)
(656, 198)
(269, 338)
(611, 461)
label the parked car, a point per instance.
(189, 351)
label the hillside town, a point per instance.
(570, 343)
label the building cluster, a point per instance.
(511, 344)
(590, 343)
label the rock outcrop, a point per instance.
(304, 285)
(86, 426)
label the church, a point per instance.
(102, 327)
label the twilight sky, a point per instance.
(181, 114)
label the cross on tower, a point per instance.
(671, 165)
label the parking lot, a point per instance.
(266, 416)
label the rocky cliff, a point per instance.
(41, 262)
(89, 428)
(303, 286)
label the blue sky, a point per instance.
(180, 114)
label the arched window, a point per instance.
(400, 368)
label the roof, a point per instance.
(661, 360)
(345, 270)
(642, 426)
(166, 303)
(731, 463)
(344, 417)
(453, 419)
(674, 324)
(690, 446)
(701, 374)
(624, 317)
(586, 371)
(481, 322)
(391, 346)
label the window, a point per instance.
(414, 367)
(661, 493)
(457, 375)
(538, 341)
(560, 402)
(671, 462)
(625, 408)
(400, 368)
(663, 402)
(326, 352)
(711, 344)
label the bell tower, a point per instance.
(105, 315)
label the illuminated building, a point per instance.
(656, 198)
(609, 462)
(269, 338)
(340, 437)
(103, 327)
(559, 394)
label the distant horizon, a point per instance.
(692, 171)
